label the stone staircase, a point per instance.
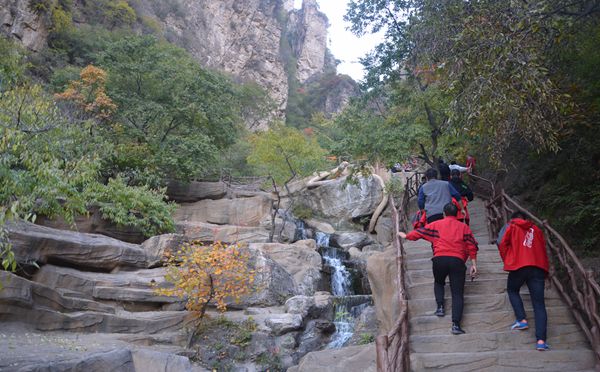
(489, 344)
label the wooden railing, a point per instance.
(575, 284)
(392, 348)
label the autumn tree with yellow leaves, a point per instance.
(203, 273)
(88, 94)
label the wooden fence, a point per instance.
(392, 348)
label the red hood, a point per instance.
(521, 223)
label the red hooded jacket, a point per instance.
(523, 244)
(449, 236)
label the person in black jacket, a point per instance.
(444, 170)
(460, 186)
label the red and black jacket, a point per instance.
(523, 244)
(449, 236)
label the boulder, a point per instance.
(381, 271)
(228, 234)
(300, 260)
(347, 239)
(156, 246)
(188, 192)
(41, 244)
(347, 359)
(239, 212)
(273, 284)
(318, 306)
(315, 336)
(93, 223)
(320, 226)
(365, 326)
(341, 200)
(284, 323)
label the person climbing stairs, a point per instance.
(489, 343)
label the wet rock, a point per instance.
(349, 239)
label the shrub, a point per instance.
(216, 272)
(135, 206)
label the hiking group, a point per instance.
(443, 220)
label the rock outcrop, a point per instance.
(33, 243)
(308, 28)
(341, 200)
(18, 21)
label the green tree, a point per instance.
(284, 153)
(485, 57)
(182, 114)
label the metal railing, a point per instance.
(575, 284)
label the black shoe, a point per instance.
(456, 330)
(440, 311)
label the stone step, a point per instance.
(425, 263)
(481, 303)
(560, 337)
(484, 272)
(496, 321)
(476, 287)
(424, 252)
(511, 360)
(479, 286)
(44, 319)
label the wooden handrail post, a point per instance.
(381, 346)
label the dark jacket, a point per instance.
(462, 188)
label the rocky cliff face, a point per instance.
(263, 41)
(21, 23)
(309, 27)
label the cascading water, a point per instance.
(341, 288)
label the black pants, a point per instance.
(534, 277)
(435, 217)
(456, 269)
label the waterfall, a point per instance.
(341, 287)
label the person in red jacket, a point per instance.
(453, 243)
(523, 250)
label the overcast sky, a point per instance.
(343, 44)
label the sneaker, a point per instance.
(456, 330)
(542, 347)
(520, 325)
(440, 311)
